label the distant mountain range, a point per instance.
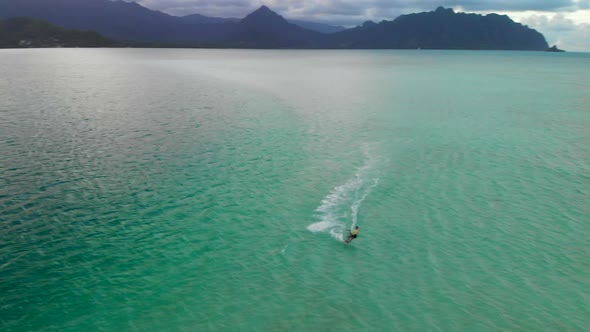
(319, 27)
(263, 28)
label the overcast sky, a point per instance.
(563, 22)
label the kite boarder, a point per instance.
(353, 234)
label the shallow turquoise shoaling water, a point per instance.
(173, 190)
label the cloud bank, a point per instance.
(562, 31)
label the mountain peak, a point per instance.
(264, 11)
(443, 10)
(264, 15)
(264, 28)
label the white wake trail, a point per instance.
(349, 196)
(355, 207)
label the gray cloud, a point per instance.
(561, 31)
(522, 5)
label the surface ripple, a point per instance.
(172, 190)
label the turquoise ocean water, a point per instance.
(207, 190)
